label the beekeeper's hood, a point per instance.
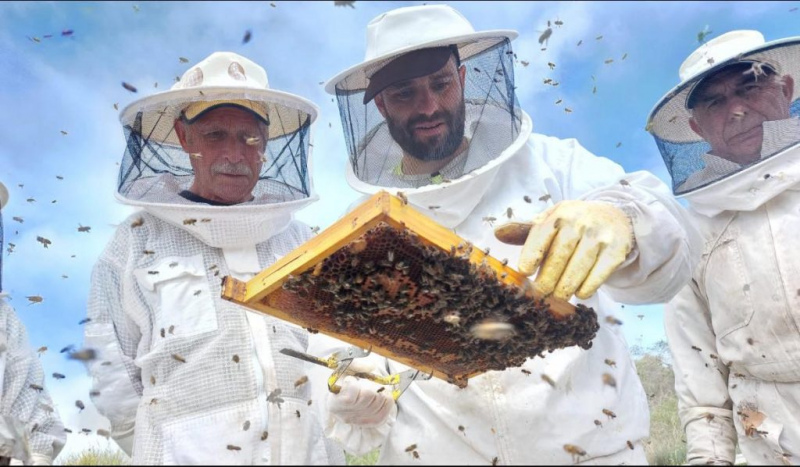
(238, 133)
(743, 95)
(447, 134)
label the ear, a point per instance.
(695, 127)
(462, 74)
(788, 87)
(380, 104)
(180, 130)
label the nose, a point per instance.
(427, 102)
(235, 151)
(737, 108)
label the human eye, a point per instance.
(441, 85)
(214, 135)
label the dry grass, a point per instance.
(96, 456)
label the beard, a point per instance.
(438, 148)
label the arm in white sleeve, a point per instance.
(25, 397)
(117, 381)
(701, 382)
(667, 245)
(358, 418)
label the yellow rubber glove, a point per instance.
(581, 243)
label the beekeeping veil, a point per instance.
(156, 171)
(471, 129)
(693, 165)
(3, 201)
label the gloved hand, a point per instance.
(359, 403)
(581, 243)
(40, 459)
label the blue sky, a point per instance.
(71, 83)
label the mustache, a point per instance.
(229, 168)
(438, 116)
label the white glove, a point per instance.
(125, 442)
(581, 243)
(359, 403)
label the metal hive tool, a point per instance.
(387, 277)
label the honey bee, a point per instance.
(152, 273)
(197, 292)
(84, 228)
(611, 363)
(104, 433)
(205, 220)
(152, 380)
(630, 445)
(44, 241)
(67, 430)
(301, 381)
(79, 404)
(526, 372)
(246, 425)
(129, 87)
(694, 347)
(598, 423)
(612, 320)
(153, 401)
(575, 451)
(58, 376)
(235, 358)
(171, 328)
(36, 387)
(489, 220)
(149, 252)
(195, 155)
(232, 447)
(610, 414)
(297, 412)
(42, 350)
(750, 340)
(624, 182)
(178, 358)
(415, 454)
(509, 212)
(494, 461)
(173, 264)
(672, 120)
(545, 197)
(411, 448)
(708, 417)
(380, 390)
(83, 355)
(548, 380)
(253, 141)
(609, 380)
(264, 436)
(402, 197)
(189, 221)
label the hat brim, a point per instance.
(159, 111)
(669, 119)
(468, 45)
(3, 196)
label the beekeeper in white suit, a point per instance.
(218, 164)
(729, 134)
(432, 112)
(30, 429)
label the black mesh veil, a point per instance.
(155, 167)
(491, 121)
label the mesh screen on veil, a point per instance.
(428, 126)
(157, 168)
(766, 124)
(1, 250)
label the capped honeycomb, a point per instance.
(421, 304)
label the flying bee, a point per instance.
(402, 197)
(86, 430)
(232, 447)
(205, 220)
(415, 454)
(58, 376)
(526, 372)
(610, 414)
(94, 393)
(510, 213)
(153, 401)
(609, 380)
(163, 334)
(44, 241)
(152, 273)
(567, 110)
(527, 198)
(235, 358)
(575, 451)
(195, 155)
(297, 412)
(694, 347)
(42, 350)
(264, 436)
(171, 329)
(83, 355)
(598, 423)
(149, 252)
(672, 120)
(545, 197)
(83, 228)
(197, 292)
(246, 425)
(301, 381)
(36, 387)
(630, 445)
(381, 389)
(79, 404)
(490, 220)
(178, 358)
(612, 320)
(611, 363)
(411, 448)
(189, 221)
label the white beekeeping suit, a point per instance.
(182, 375)
(733, 331)
(551, 410)
(30, 429)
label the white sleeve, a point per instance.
(117, 381)
(24, 394)
(667, 244)
(356, 440)
(701, 381)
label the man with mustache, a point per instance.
(218, 165)
(432, 112)
(729, 134)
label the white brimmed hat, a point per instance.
(407, 29)
(3, 195)
(669, 119)
(221, 79)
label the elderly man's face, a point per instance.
(731, 108)
(226, 145)
(426, 115)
